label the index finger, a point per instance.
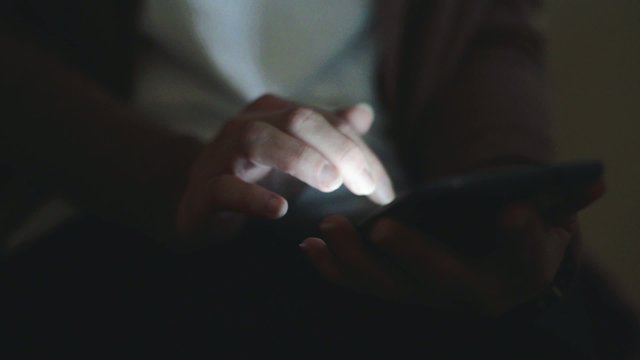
(383, 193)
(353, 122)
(348, 157)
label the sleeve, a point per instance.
(489, 105)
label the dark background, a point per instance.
(595, 70)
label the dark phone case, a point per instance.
(462, 211)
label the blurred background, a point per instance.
(595, 68)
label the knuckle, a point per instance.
(253, 135)
(299, 119)
(296, 158)
(349, 153)
(241, 166)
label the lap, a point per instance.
(96, 285)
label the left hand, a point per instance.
(404, 265)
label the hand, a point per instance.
(320, 148)
(403, 265)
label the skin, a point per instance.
(325, 150)
(322, 149)
(151, 170)
(418, 270)
(407, 266)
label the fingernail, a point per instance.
(329, 177)
(386, 193)
(386, 196)
(310, 244)
(362, 182)
(367, 184)
(276, 207)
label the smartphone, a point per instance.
(463, 211)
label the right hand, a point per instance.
(322, 149)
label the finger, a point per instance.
(366, 269)
(559, 210)
(525, 236)
(447, 281)
(228, 193)
(360, 117)
(432, 265)
(384, 192)
(312, 128)
(529, 253)
(323, 260)
(267, 146)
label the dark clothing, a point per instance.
(96, 288)
(465, 78)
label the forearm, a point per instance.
(88, 145)
(496, 113)
(493, 109)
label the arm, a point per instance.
(86, 144)
(465, 84)
(98, 152)
(477, 99)
(494, 110)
